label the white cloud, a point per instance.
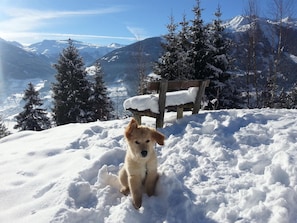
(25, 25)
(138, 33)
(20, 19)
(29, 37)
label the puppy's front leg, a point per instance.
(150, 182)
(123, 177)
(135, 185)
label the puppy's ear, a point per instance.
(131, 126)
(158, 137)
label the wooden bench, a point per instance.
(166, 89)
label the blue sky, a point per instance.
(101, 21)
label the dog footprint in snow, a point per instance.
(82, 195)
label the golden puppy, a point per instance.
(140, 168)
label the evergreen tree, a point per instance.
(220, 89)
(183, 48)
(199, 52)
(167, 66)
(267, 94)
(283, 100)
(71, 92)
(32, 117)
(3, 130)
(101, 103)
(293, 97)
(218, 46)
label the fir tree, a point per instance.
(293, 97)
(268, 94)
(283, 100)
(167, 66)
(3, 130)
(218, 45)
(32, 117)
(101, 103)
(183, 48)
(71, 92)
(220, 89)
(199, 52)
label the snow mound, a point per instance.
(220, 166)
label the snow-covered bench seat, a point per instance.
(171, 95)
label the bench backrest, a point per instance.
(175, 85)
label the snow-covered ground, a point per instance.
(220, 166)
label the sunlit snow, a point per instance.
(218, 166)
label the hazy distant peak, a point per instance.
(115, 45)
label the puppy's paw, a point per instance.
(125, 191)
(137, 203)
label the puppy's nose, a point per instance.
(144, 153)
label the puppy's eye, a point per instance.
(147, 141)
(137, 142)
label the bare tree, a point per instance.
(251, 63)
(279, 10)
(141, 68)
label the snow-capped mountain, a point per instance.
(124, 64)
(90, 52)
(266, 39)
(238, 24)
(19, 67)
(121, 64)
(23, 64)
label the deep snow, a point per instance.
(219, 166)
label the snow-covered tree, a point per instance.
(183, 48)
(71, 91)
(33, 117)
(167, 65)
(101, 103)
(293, 97)
(267, 94)
(199, 51)
(220, 89)
(283, 100)
(3, 130)
(218, 46)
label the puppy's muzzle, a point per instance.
(143, 153)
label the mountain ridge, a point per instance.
(121, 64)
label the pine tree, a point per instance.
(218, 46)
(220, 89)
(71, 92)
(167, 66)
(3, 130)
(199, 50)
(32, 117)
(283, 100)
(101, 103)
(292, 98)
(268, 95)
(183, 48)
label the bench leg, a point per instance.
(137, 117)
(159, 121)
(179, 112)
